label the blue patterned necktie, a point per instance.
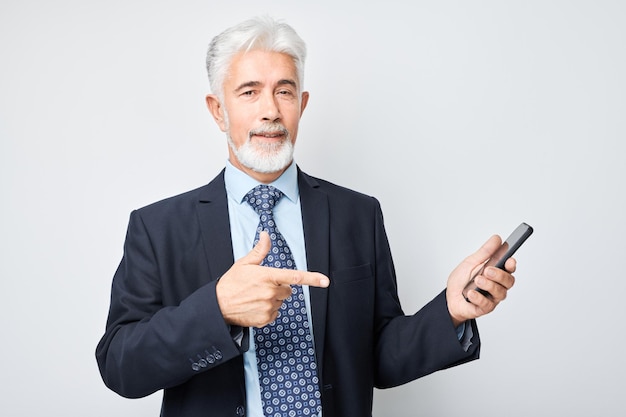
(284, 348)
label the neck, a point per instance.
(262, 177)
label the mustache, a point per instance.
(269, 128)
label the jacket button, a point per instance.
(241, 411)
(218, 356)
(195, 366)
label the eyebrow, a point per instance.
(248, 84)
(258, 83)
(288, 82)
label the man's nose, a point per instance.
(269, 108)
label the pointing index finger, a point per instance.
(296, 277)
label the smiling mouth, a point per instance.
(270, 135)
(270, 132)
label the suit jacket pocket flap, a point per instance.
(354, 273)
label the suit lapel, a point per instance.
(213, 204)
(316, 224)
(215, 226)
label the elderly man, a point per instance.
(214, 301)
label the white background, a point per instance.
(463, 117)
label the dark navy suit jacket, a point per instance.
(165, 330)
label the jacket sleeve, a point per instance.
(409, 347)
(151, 342)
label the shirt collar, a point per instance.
(238, 183)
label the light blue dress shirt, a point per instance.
(243, 223)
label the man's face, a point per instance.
(261, 108)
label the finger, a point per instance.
(482, 304)
(485, 302)
(510, 265)
(295, 277)
(258, 252)
(282, 293)
(500, 277)
(486, 251)
(496, 291)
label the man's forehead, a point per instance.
(257, 66)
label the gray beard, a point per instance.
(264, 158)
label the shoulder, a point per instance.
(336, 192)
(185, 202)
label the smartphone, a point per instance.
(506, 250)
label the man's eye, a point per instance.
(248, 93)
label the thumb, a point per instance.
(259, 251)
(486, 251)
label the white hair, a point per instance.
(263, 33)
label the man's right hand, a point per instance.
(251, 295)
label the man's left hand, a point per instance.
(493, 280)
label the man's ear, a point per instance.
(216, 108)
(304, 101)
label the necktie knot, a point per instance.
(263, 198)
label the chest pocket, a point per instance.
(356, 273)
